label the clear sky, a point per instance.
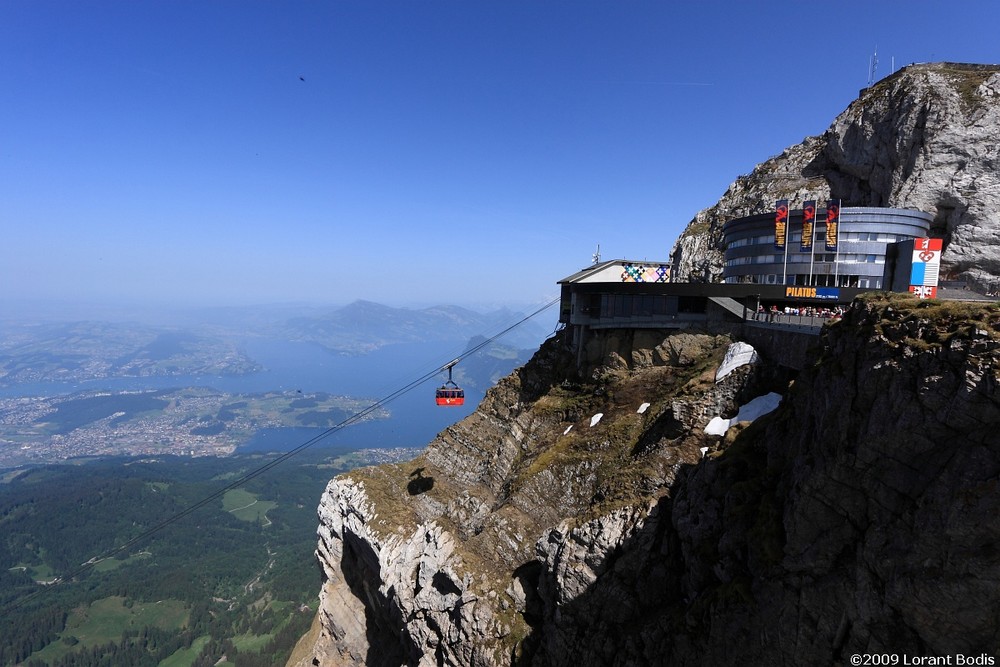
(411, 153)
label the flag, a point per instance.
(925, 267)
(808, 223)
(780, 223)
(832, 224)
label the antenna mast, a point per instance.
(873, 67)
(597, 255)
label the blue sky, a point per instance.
(411, 153)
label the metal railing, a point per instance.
(809, 323)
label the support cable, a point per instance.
(353, 419)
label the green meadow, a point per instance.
(236, 578)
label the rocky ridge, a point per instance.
(857, 517)
(446, 545)
(923, 138)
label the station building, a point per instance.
(802, 286)
(626, 294)
(632, 294)
(857, 262)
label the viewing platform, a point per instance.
(629, 294)
(625, 294)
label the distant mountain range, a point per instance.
(363, 326)
(207, 341)
(92, 350)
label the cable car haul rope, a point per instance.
(453, 396)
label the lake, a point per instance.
(290, 366)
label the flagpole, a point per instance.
(812, 254)
(812, 238)
(784, 267)
(785, 240)
(836, 255)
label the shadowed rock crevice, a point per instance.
(386, 644)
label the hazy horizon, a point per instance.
(56, 310)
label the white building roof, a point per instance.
(622, 271)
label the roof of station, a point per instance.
(611, 271)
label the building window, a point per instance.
(634, 305)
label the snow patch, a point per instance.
(718, 426)
(643, 408)
(738, 354)
(567, 429)
(596, 418)
(751, 411)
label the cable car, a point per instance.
(449, 393)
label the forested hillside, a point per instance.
(234, 579)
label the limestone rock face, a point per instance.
(858, 517)
(923, 138)
(438, 561)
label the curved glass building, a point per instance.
(858, 260)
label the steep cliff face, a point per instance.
(923, 138)
(564, 523)
(437, 562)
(859, 518)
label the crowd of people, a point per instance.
(774, 314)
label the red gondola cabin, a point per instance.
(450, 393)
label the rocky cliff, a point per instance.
(922, 138)
(584, 517)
